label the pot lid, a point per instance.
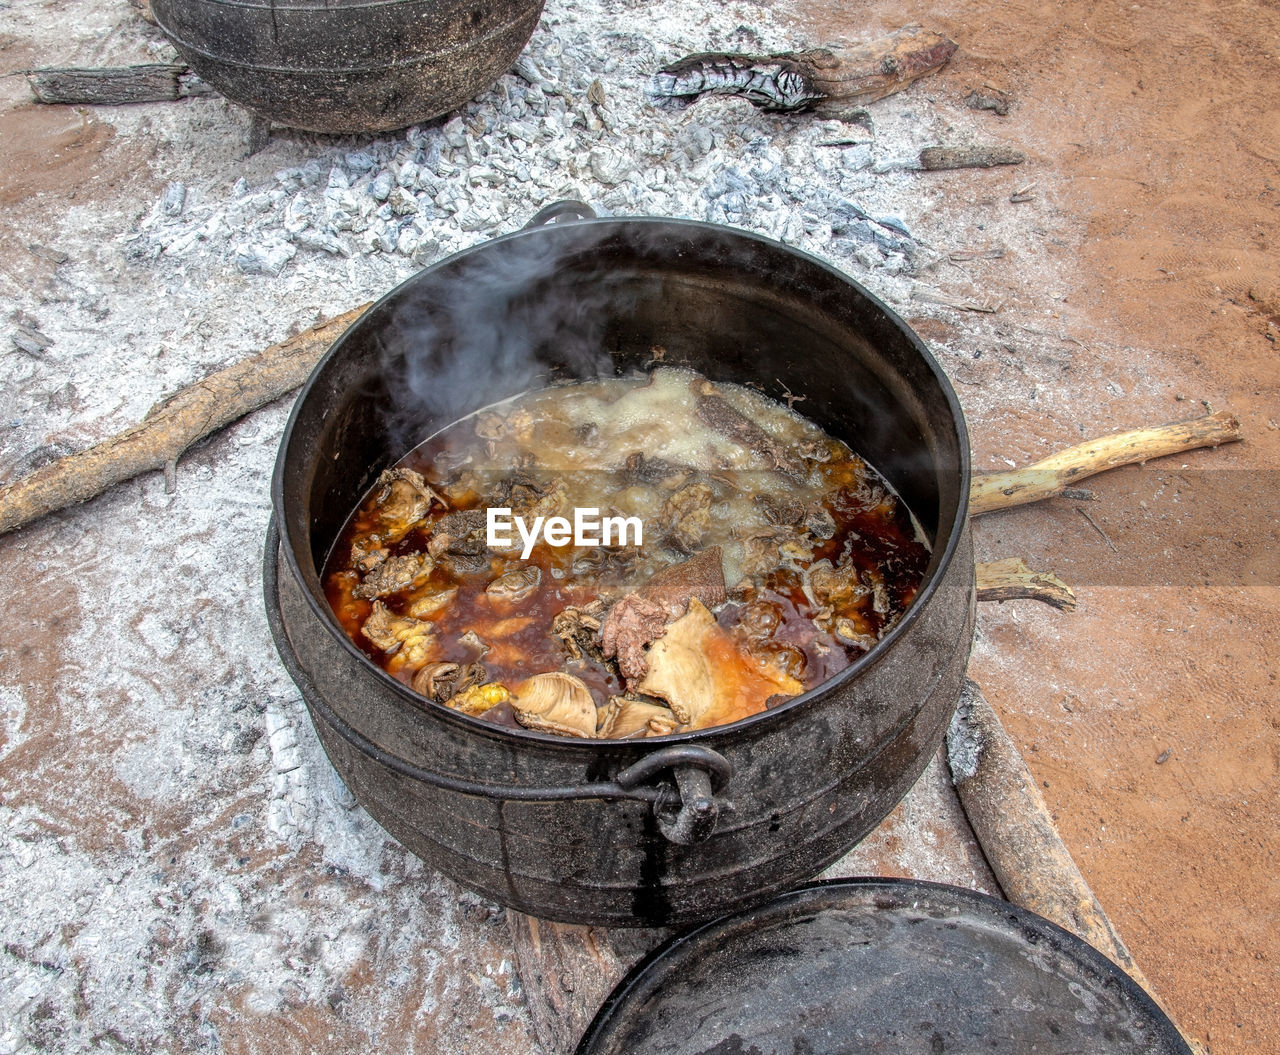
(883, 966)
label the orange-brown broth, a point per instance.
(880, 536)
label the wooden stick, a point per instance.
(799, 80)
(1011, 579)
(567, 972)
(1050, 476)
(1017, 833)
(115, 85)
(171, 427)
(976, 157)
(1014, 826)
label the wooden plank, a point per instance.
(115, 85)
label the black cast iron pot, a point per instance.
(676, 828)
(349, 65)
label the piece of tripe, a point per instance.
(555, 703)
(706, 678)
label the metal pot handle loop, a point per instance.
(699, 774)
(561, 212)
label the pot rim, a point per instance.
(939, 563)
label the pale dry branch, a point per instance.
(1052, 475)
(171, 427)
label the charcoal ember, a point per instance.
(402, 202)
(174, 199)
(265, 259)
(321, 240)
(28, 339)
(380, 188)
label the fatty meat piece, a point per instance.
(555, 702)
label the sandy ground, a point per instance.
(1152, 131)
(1138, 282)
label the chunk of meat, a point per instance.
(771, 548)
(463, 486)
(530, 500)
(410, 640)
(631, 624)
(854, 630)
(555, 702)
(842, 595)
(477, 699)
(402, 501)
(819, 522)
(625, 719)
(461, 533)
(717, 412)
(498, 425)
(368, 552)
(644, 470)
(705, 677)
(701, 576)
(780, 511)
(515, 586)
(603, 567)
(430, 601)
(443, 681)
(577, 628)
(687, 514)
(838, 586)
(393, 575)
(640, 617)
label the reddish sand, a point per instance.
(1150, 715)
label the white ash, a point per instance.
(194, 717)
(537, 136)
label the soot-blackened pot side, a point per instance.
(810, 777)
(349, 65)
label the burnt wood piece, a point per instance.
(1010, 580)
(1053, 475)
(115, 85)
(975, 157)
(258, 135)
(800, 80)
(566, 970)
(1009, 816)
(171, 427)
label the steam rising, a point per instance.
(495, 324)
